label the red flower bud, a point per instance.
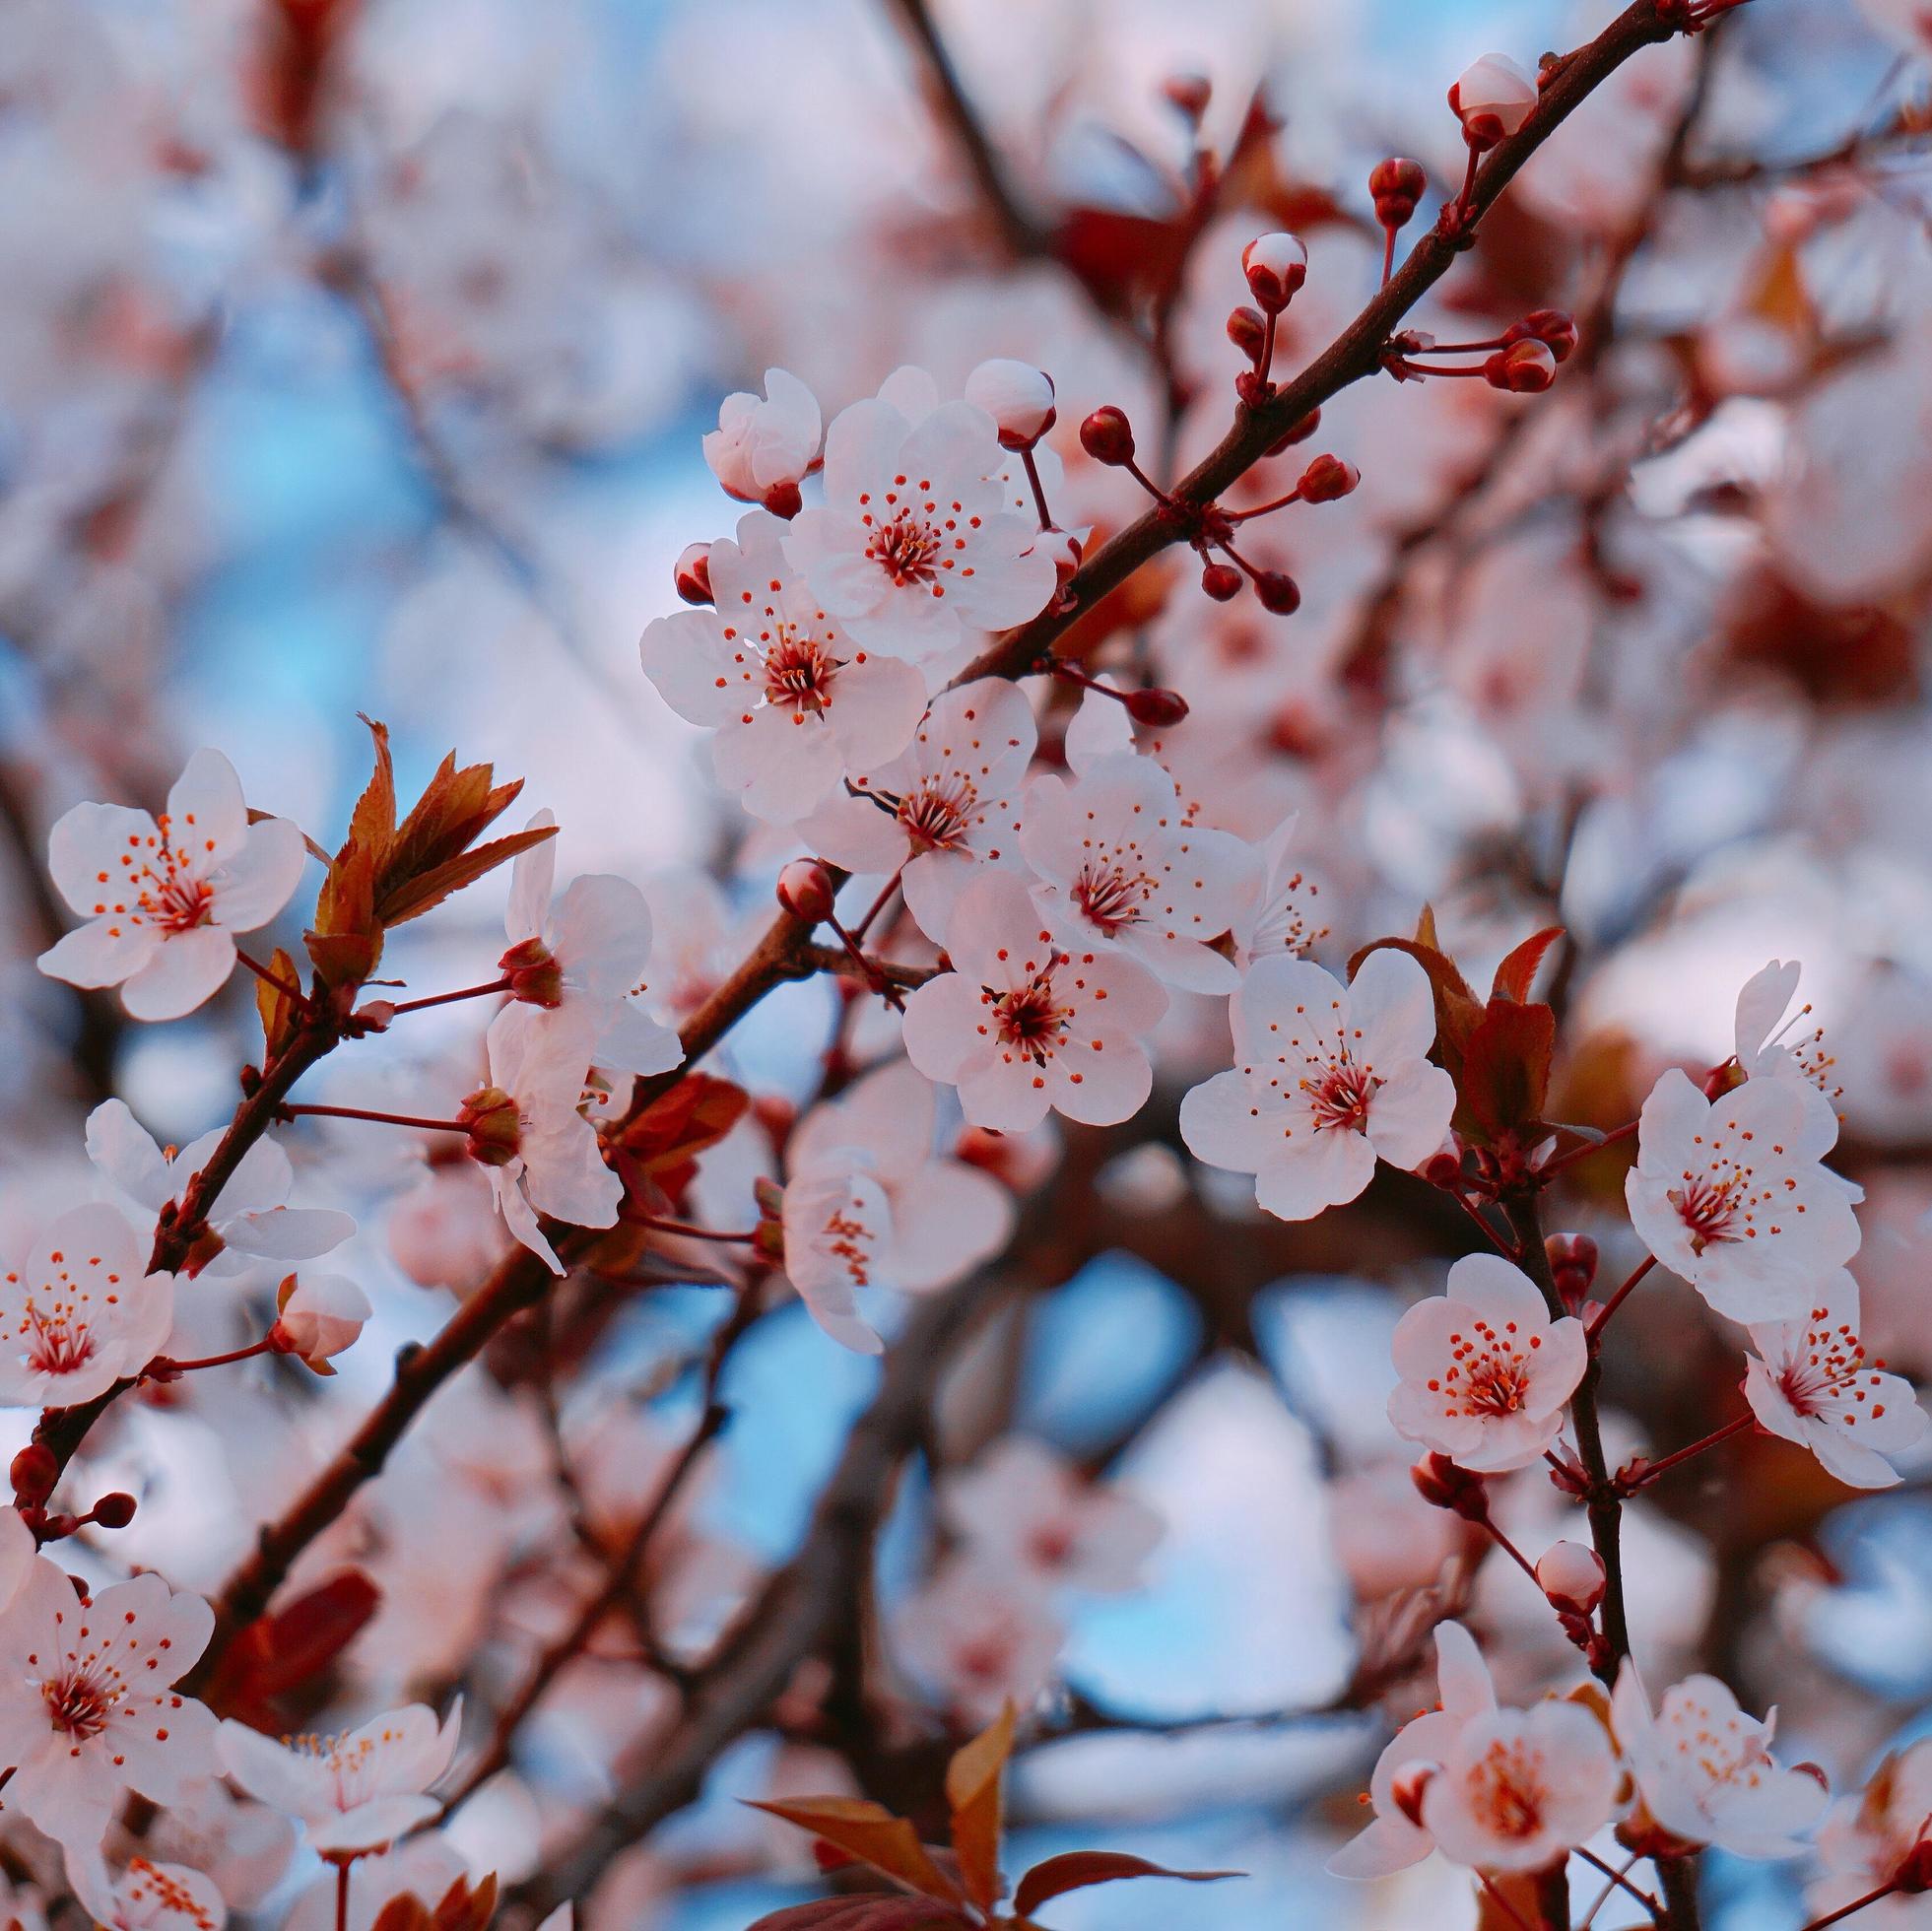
(1222, 581)
(1571, 1576)
(693, 573)
(805, 891)
(1247, 328)
(1443, 1171)
(1573, 1264)
(1278, 592)
(1397, 185)
(1107, 437)
(1525, 369)
(1189, 94)
(1276, 264)
(1301, 433)
(115, 1512)
(34, 1472)
(1157, 708)
(783, 500)
(1555, 326)
(1442, 1485)
(1326, 479)
(495, 1127)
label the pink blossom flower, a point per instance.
(1906, 24)
(146, 1896)
(1867, 1836)
(1811, 1383)
(1393, 1840)
(1024, 1024)
(945, 809)
(915, 541)
(1276, 911)
(87, 1700)
(1705, 1771)
(81, 1311)
(1732, 1195)
(1485, 1371)
(765, 446)
(1762, 1050)
(836, 1223)
(797, 705)
(978, 1640)
(355, 1792)
(1327, 1077)
(1023, 1509)
(1120, 868)
(1493, 98)
(320, 1314)
(582, 963)
(163, 897)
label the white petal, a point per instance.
(187, 969)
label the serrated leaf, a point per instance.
(412, 897)
(1075, 1870)
(870, 1833)
(973, 1792)
(279, 1013)
(372, 824)
(1517, 973)
(404, 1913)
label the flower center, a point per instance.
(906, 549)
(1340, 1098)
(1109, 897)
(1709, 1207)
(1030, 1018)
(1826, 1371)
(847, 1239)
(937, 815)
(1506, 1791)
(79, 1703)
(60, 1342)
(799, 673)
(1488, 1374)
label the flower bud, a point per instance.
(1326, 479)
(1443, 1171)
(1222, 581)
(1556, 326)
(1278, 592)
(321, 1316)
(1299, 432)
(1107, 437)
(1157, 708)
(1066, 550)
(1397, 185)
(1913, 1877)
(490, 1117)
(1571, 1576)
(1276, 264)
(1572, 1261)
(1493, 100)
(34, 1473)
(535, 978)
(693, 574)
(1442, 1485)
(1189, 94)
(763, 444)
(115, 1512)
(805, 891)
(1525, 369)
(1247, 329)
(782, 500)
(1017, 396)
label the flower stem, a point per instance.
(342, 1895)
(162, 1367)
(446, 998)
(1616, 1300)
(295, 1111)
(1652, 1470)
(878, 905)
(275, 980)
(686, 1227)
(1858, 1904)
(1263, 510)
(1620, 1880)
(1589, 1147)
(1039, 492)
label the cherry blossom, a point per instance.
(1394, 1838)
(1120, 868)
(146, 1896)
(945, 809)
(319, 1315)
(1731, 1194)
(765, 446)
(87, 1702)
(355, 1792)
(1705, 1771)
(1866, 1838)
(1762, 1052)
(81, 1311)
(1277, 912)
(1327, 1079)
(539, 1152)
(1024, 1510)
(164, 896)
(1485, 1371)
(1907, 24)
(1025, 1022)
(1811, 1383)
(1493, 98)
(836, 1223)
(978, 1640)
(797, 705)
(248, 1218)
(582, 963)
(913, 539)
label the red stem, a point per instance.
(1655, 1469)
(1858, 1904)
(1039, 494)
(173, 1367)
(267, 977)
(686, 1227)
(1280, 503)
(1388, 252)
(880, 903)
(1621, 1295)
(366, 1113)
(1265, 360)
(446, 998)
(1589, 1146)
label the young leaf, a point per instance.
(346, 941)
(1506, 1071)
(411, 898)
(1075, 1870)
(974, 1780)
(870, 1833)
(279, 1013)
(869, 1913)
(372, 824)
(1516, 973)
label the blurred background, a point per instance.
(354, 357)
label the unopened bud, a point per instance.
(805, 891)
(1913, 1877)
(490, 1117)
(1278, 592)
(693, 573)
(34, 1473)
(1222, 581)
(1247, 330)
(1157, 708)
(1276, 264)
(1189, 93)
(1107, 437)
(535, 978)
(1493, 100)
(1326, 479)
(1017, 396)
(1525, 369)
(1442, 1485)
(1571, 1576)
(115, 1512)
(1556, 326)
(783, 500)
(1065, 550)
(1397, 185)
(1572, 1261)
(1443, 1171)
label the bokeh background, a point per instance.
(354, 356)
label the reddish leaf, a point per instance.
(973, 1792)
(1075, 1870)
(1506, 1071)
(697, 1114)
(278, 1653)
(870, 1833)
(869, 1913)
(1515, 974)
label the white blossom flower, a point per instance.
(146, 1896)
(978, 1640)
(1120, 868)
(1024, 1024)
(1021, 1510)
(1732, 1195)
(355, 1792)
(1493, 98)
(1485, 1371)
(1705, 1771)
(1277, 912)
(945, 809)
(163, 897)
(1017, 396)
(320, 1314)
(765, 445)
(1906, 24)
(913, 539)
(582, 961)
(1811, 1383)
(79, 1311)
(1393, 1840)
(87, 1704)
(1759, 1035)
(837, 1221)
(1868, 1836)
(249, 1216)
(1326, 1078)
(796, 704)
